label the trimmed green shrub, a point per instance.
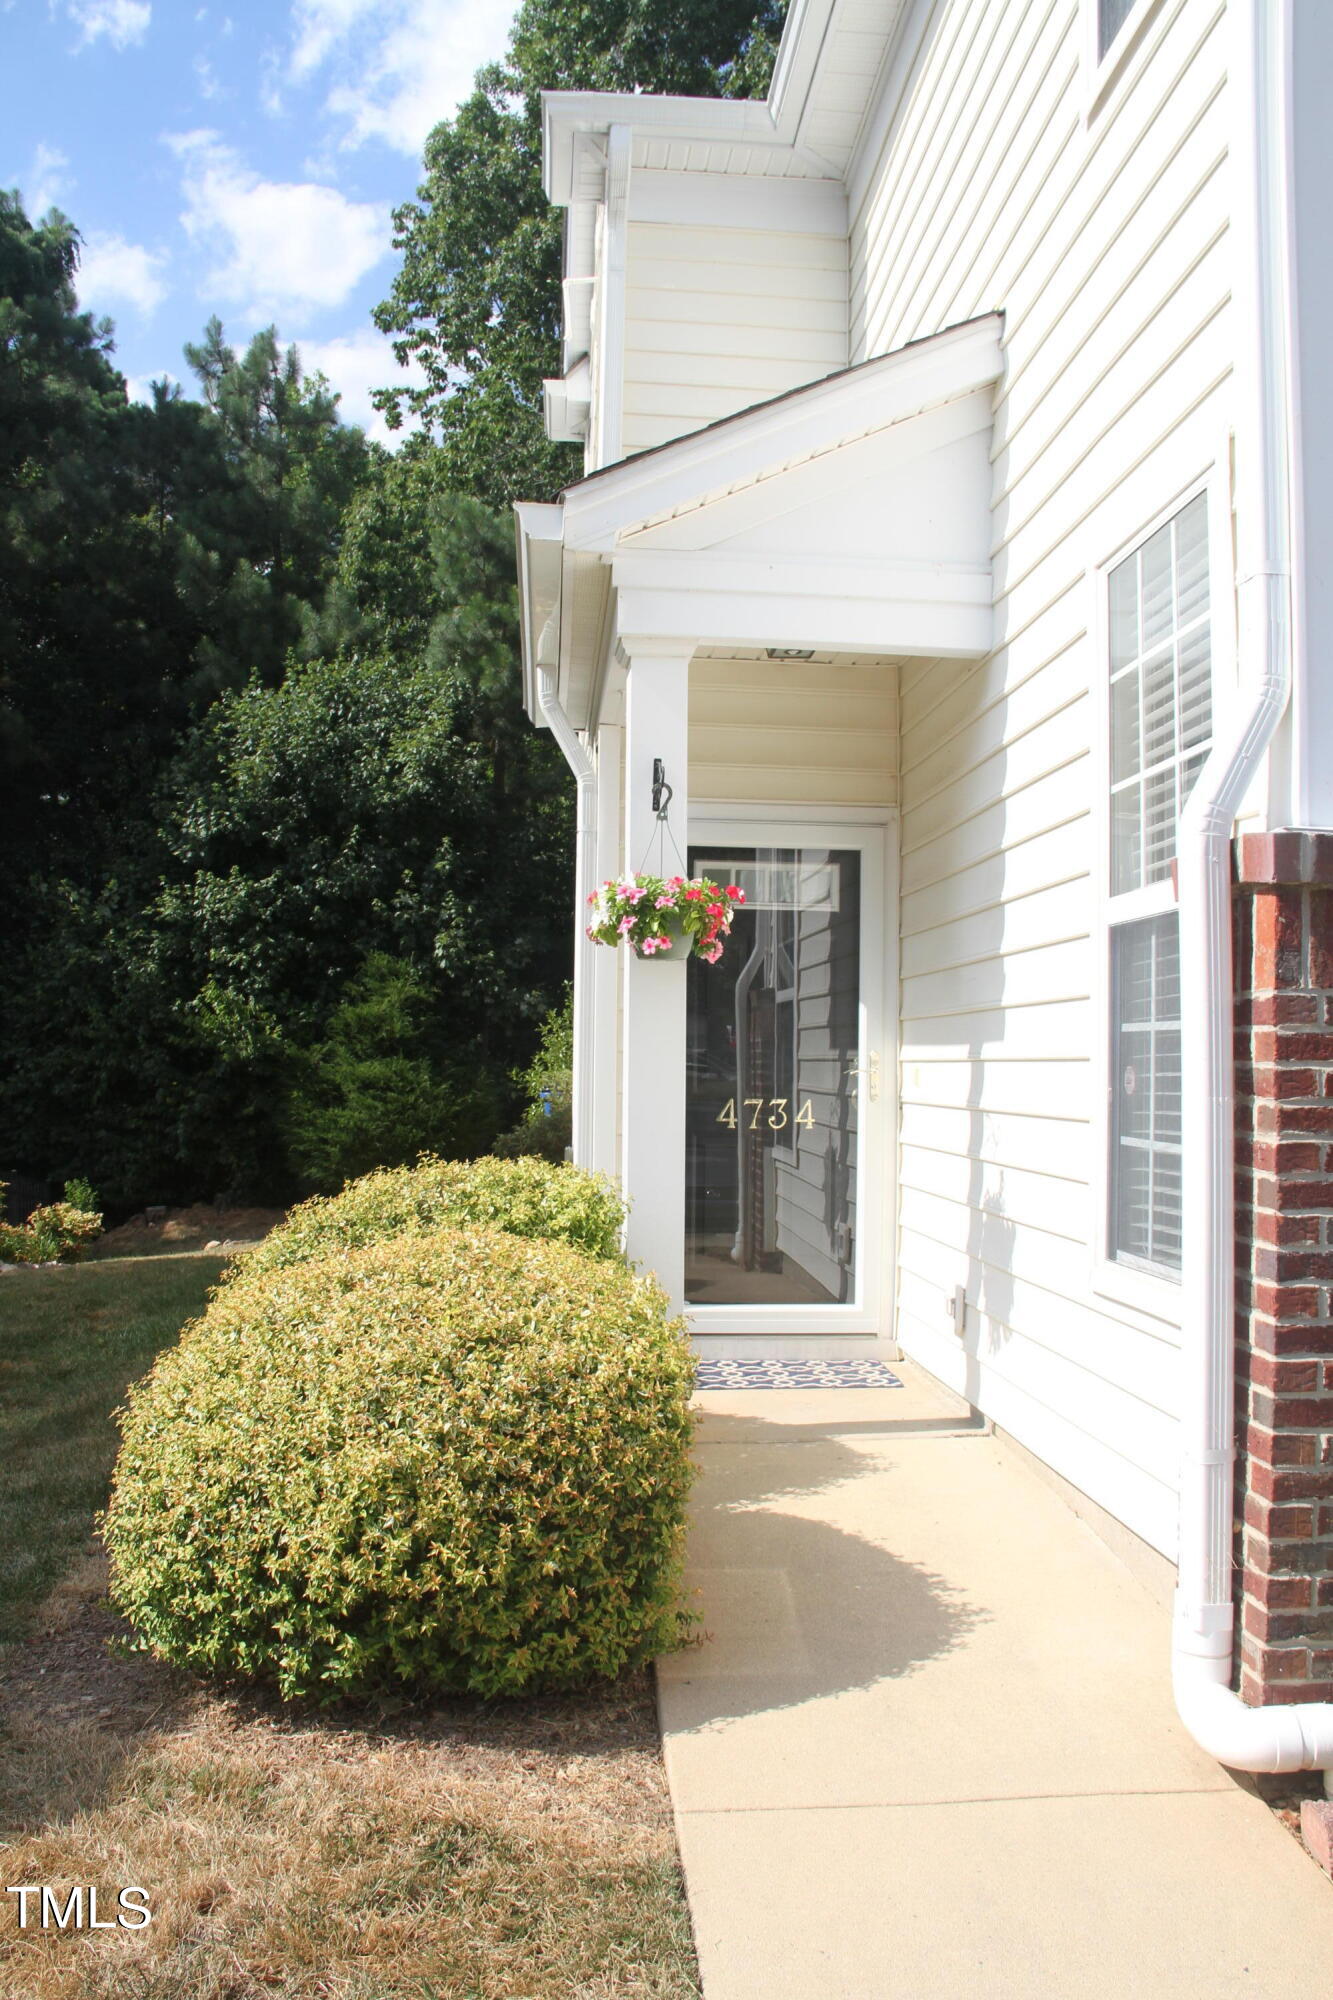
(457, 1460)
(522, 1197)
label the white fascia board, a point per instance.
(803, 34)
(539, 536)
(736, 450)
(943, 629)
(566, 113)
(740, 201)
(566, 402)
(966, 584)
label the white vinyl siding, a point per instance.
(1105, 244)
(719, 319)
(793, 731)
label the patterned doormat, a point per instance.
(868, 1374)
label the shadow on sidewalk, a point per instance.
(794, 1607)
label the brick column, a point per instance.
(1284, 1259)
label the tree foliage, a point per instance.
(289, 876)
(477, 299)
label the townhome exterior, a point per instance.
(959, 468)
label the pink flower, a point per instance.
(712, 955)
(665, 903)
(626, 924)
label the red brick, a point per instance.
(1279, 1484)
(1272, 1010)
(1317, 1831)
(1292, 1044)
(1274, 1521)
(1309, 1193)
(1274, 1627)
(1278, 941)
(1294, 1691)
(1288, 1664)
(1292, 1118)
(1320, 951)
(1291, 1266)
(1285, 1375)
(1299, 1413)
(1288, 1302)
(1323, 1591)
(1280, 1593)
(1270, 1227)
(1267, 1447)
(1307, 1339)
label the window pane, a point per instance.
(1124, 582)
(1161, 707)
(1126, 848)
(1191, 526)
(1111, 18)
(1196, 689)
(1126, 755)
(1144, 1207)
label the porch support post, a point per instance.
(606, 970)
(653, 994)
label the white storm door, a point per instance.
(788, 1083)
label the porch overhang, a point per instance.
(852, 514)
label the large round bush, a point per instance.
(523, 1197)
(456, 1460)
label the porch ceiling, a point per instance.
(852, 515)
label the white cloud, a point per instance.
(121, 21)
(355, 364)
(113, 271)
(46, 183)
(396, 67)
(280, 245)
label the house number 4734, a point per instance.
(777, 1117)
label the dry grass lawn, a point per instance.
(453, 1850)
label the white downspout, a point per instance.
(1278, 1737)
(585, 776)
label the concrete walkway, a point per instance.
(928, 1748)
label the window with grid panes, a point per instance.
(1160, 730)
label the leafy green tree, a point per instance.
(260, 539)
(386, 1082)
(86, 700)
(477, 299)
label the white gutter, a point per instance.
(1278, 1737)
(585, 778)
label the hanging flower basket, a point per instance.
(666, 916)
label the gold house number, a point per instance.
(777, 1119)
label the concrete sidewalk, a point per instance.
(928, 1747)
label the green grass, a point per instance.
(71, 1340)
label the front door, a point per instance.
(786, 1085)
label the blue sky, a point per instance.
(236, 158)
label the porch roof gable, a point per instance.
(853, 512)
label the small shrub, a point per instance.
(457, 1460)
(523, 1197)
(79, 1194)
(59, 1231)
(546, 1127)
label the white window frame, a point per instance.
(1154, 1293)
(1101, 71)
